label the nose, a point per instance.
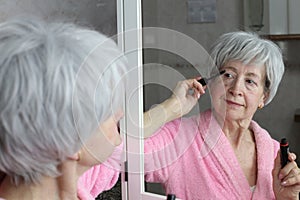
(236, 87)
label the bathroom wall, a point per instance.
(100, 14)
(173, 14)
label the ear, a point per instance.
(75, 156)
(265, 97)
(263, 100)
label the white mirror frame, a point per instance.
(129, 19)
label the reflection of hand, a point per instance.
(184, 98)
(286, 181)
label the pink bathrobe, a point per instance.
(193, 159)
(101, 177)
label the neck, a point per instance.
(236, 131)
(46, 189)
(63, 187)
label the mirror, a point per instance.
(164, 67)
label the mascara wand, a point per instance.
(204, 81)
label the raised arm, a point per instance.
(184, 98)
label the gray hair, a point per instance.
(250, 48)
(58, 81)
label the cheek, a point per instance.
(254, 98)
(111, 134)
(100, 146)
(105, 145)
(217, 91)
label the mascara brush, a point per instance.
(204, 81)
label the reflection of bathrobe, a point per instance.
(101, 177)
(197, 161)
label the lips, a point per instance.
(233, 103)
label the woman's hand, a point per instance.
(184, 98)
(286, 181)
(186, 95)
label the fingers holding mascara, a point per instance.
(290, 174)
(286, 180)
(198, 88)
(187, 92)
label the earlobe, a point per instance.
(264, 99)
(262, 104)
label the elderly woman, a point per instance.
(222, 153)
(59, 111)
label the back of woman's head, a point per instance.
(249, 48)
(57, 83)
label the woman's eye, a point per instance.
(251, 82)
(228, 75)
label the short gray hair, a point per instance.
(249, 48)
(51, 75)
